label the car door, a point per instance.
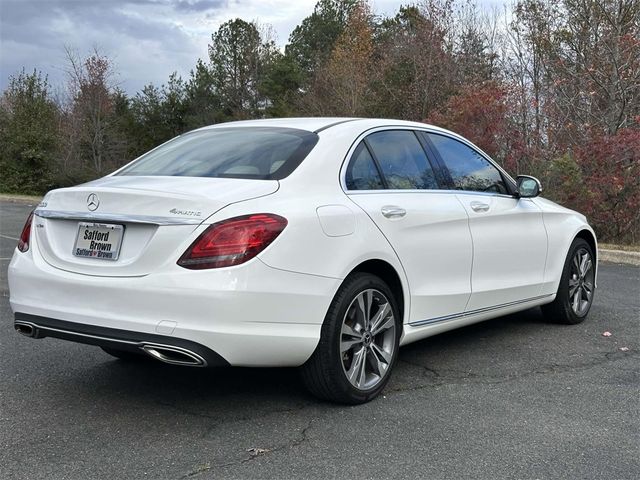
(508, 233)
(390, 177)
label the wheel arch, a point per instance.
(589, 237)
(389, 275)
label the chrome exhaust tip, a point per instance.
(173, 355)
(26, 329)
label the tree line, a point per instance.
(549, 88)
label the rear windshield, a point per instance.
(242, 152)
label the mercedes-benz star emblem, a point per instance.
(93, 202)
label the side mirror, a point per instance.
(528, 187)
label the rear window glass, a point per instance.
(242, 152)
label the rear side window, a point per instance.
(468, 169)
(402, 160)
(362, 173)
(240, 152)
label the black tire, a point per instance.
(126, 355)
(561, 309)
(324, 374)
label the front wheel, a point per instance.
(358, 344)
(577, 286)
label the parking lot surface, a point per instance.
(514, 397)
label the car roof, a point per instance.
(317, 124)
(311, 124)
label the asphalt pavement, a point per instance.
(514, 397)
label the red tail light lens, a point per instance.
(23, 242)
(233, 241)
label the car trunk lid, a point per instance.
(157, 216)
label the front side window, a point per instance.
(402, 160)
(468, 169)
(267, 153)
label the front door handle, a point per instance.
(393, 211)
(479, 207)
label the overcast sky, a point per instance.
(147, 39)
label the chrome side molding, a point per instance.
(470, 313)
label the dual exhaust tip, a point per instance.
(173, 355)
(26, 329)
(163, 353)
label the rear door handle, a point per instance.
(393, 211)
(479, 207)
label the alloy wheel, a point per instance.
(367, 339)
(581, 282)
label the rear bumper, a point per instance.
(187, 352)
(249, 315)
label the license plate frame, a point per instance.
(98, 253)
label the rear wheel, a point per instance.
(358, 344)
(577, 286)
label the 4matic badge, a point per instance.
(185, 213)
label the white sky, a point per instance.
(147, 39)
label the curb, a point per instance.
(23, 199)
(620, 256)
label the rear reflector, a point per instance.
(23, 242)
(233, 241)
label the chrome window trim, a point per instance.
(430, 191)
(116, 218)
(452, 135)
(420, 323)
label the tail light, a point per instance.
(23, 242)
(233, 241)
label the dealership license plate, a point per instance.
(98, 240)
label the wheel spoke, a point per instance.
(349, 338)
(588, 290)
(369, 302)
(585, 265)
(364, 303)
(349, 331)
(588, 266)
(576, 263)
(379, 317)
(573, 285)
(354, 371)
(381, 358)
(389, 322)
(362, 377)
(346, 345)
(576, 300)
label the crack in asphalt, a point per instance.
(457, 377)
(441, 377)
(244, 418)
(253, 454)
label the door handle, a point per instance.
(479, 206)
(393, 211)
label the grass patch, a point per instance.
(625, 248)
(14, 197)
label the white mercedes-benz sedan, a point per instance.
(324, 243)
